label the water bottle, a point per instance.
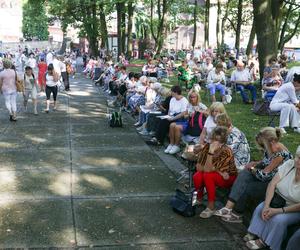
(194, 198)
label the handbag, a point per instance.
(277, 201)
(19, 84)
(182, 203)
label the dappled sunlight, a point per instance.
(108, 161)
(35, 139)
(5, 201)
(99, 181)
(61, 185)
(8, 145)
(80, 93)
(7, 178)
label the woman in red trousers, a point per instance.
(215, 168)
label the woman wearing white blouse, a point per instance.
(269, 224)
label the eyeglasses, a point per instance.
(193, 96)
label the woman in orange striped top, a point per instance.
(215, 168)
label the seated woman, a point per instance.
(161, 107)
(184, 73)
(215, 168)
(191, 127)
(150, 99)
(214, 109)
(285, 101)
(150, 69)
(236, 140)
(254, 179)
(272, 83)
(177, 110)
(216, 80)
(280, 209)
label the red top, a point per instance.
(42, 71)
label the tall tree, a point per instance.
(251, 40)
(130, 8)
(267, 19)
(35, 21)
(206, 24)
(224, 19)
(238, 26)
(290, 23)
(121, 25)
(158, 21)
(195, 23)
(218, 25)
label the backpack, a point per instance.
(115, 120)
(182, 203)
(196, 124)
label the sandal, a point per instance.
(233, 218)
(207, 213)
(223, 212)
(249, 237)
(255, 244)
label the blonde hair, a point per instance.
(223, 120)
(267, 135)
(217, 106)
(192, 91)
(7, 63)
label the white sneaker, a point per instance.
(140, 128)
(167, 150)
(282, 130)
(175, 149)
(144, 132)
(152, 133)
(297, 130)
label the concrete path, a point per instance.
(67, 180)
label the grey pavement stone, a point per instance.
(136, 181)
(25, 159)
(95, 141)
(113, 158)
(32, 142)
(36, 224)
(136, 221)
(34, 183)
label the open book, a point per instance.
(164, 117)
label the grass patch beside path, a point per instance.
(244, 119)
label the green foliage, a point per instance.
(35, 20)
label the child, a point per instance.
(31, 89)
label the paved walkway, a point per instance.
(68, 180)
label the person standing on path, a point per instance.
(42, 66)
(31, 89)
(51, 79)
(64, 73)
(8, 88)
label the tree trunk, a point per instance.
(266, 17)
(123, 28)
(223, 23)
(162, 30)
(129, 30)
(120, 25)
(251, 41)
(218, 27)
(238, 27)
(206, 24)
(103, 27)
(64, 44)
(195, 24)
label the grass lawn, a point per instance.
(244, 119)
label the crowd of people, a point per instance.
(220, 149)
(33, 73)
